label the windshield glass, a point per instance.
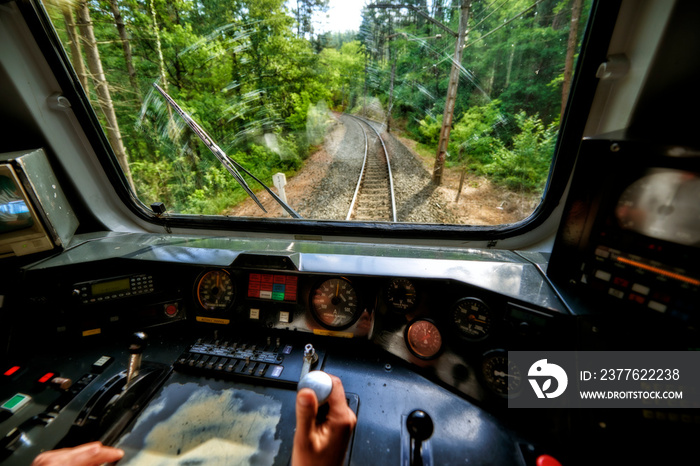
(423, 111)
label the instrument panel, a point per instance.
(388, 321)
(436, 324)
(444, 315)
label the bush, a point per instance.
(525, 166)
(475, 137)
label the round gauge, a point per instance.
(215, 290)
(663, 204)
(401, 294)
(472, 318)
(334, 303)
(501, 375)
(423, 339)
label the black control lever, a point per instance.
(119, 399)
(420, 428)
(136, 347)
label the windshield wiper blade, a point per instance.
(229, 163)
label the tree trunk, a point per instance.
(101, 87)
(126, 47)
(570, 51)
(161, 61)
(391, 97)
(74, 45)
(171, 127)
(451, 95)
(510, 64)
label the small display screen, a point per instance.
(273, 287)
(14, 211)
(525, 316)
(112, 286)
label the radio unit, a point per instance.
(113, 288)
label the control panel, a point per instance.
(268, 360)
(628, 253)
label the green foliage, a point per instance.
(480, 142)
(475, 137)
(429, 129)
(525, 165)
(341, 70)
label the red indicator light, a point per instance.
(11, 370)
(46, 377)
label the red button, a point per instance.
(11, 370)
(46, 377)
(546, 460)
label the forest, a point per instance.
(261, 76)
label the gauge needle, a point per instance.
(337, 289)
(504, 374)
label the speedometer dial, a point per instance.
(472, 318)
(401, 294)
(215, 290)
(423, 339)
(334, 303)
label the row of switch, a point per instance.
(219, 364)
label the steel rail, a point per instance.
(362, 173)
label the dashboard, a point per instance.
(450, 313)
(229, 321)
(429, 326)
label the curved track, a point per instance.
(374, 194)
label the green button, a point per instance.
(16, 402)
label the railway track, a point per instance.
(374, 195)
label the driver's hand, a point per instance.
(90, 454)
(322, 444)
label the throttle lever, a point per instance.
(138, 344)
(310, 358)
(420, 428)
(318, 381)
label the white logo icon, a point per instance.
(542, 368)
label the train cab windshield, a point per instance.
(469, 97)
(477, 218)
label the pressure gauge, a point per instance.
(423, 339)
(501, 375)
(401, 294)
(472, 318)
